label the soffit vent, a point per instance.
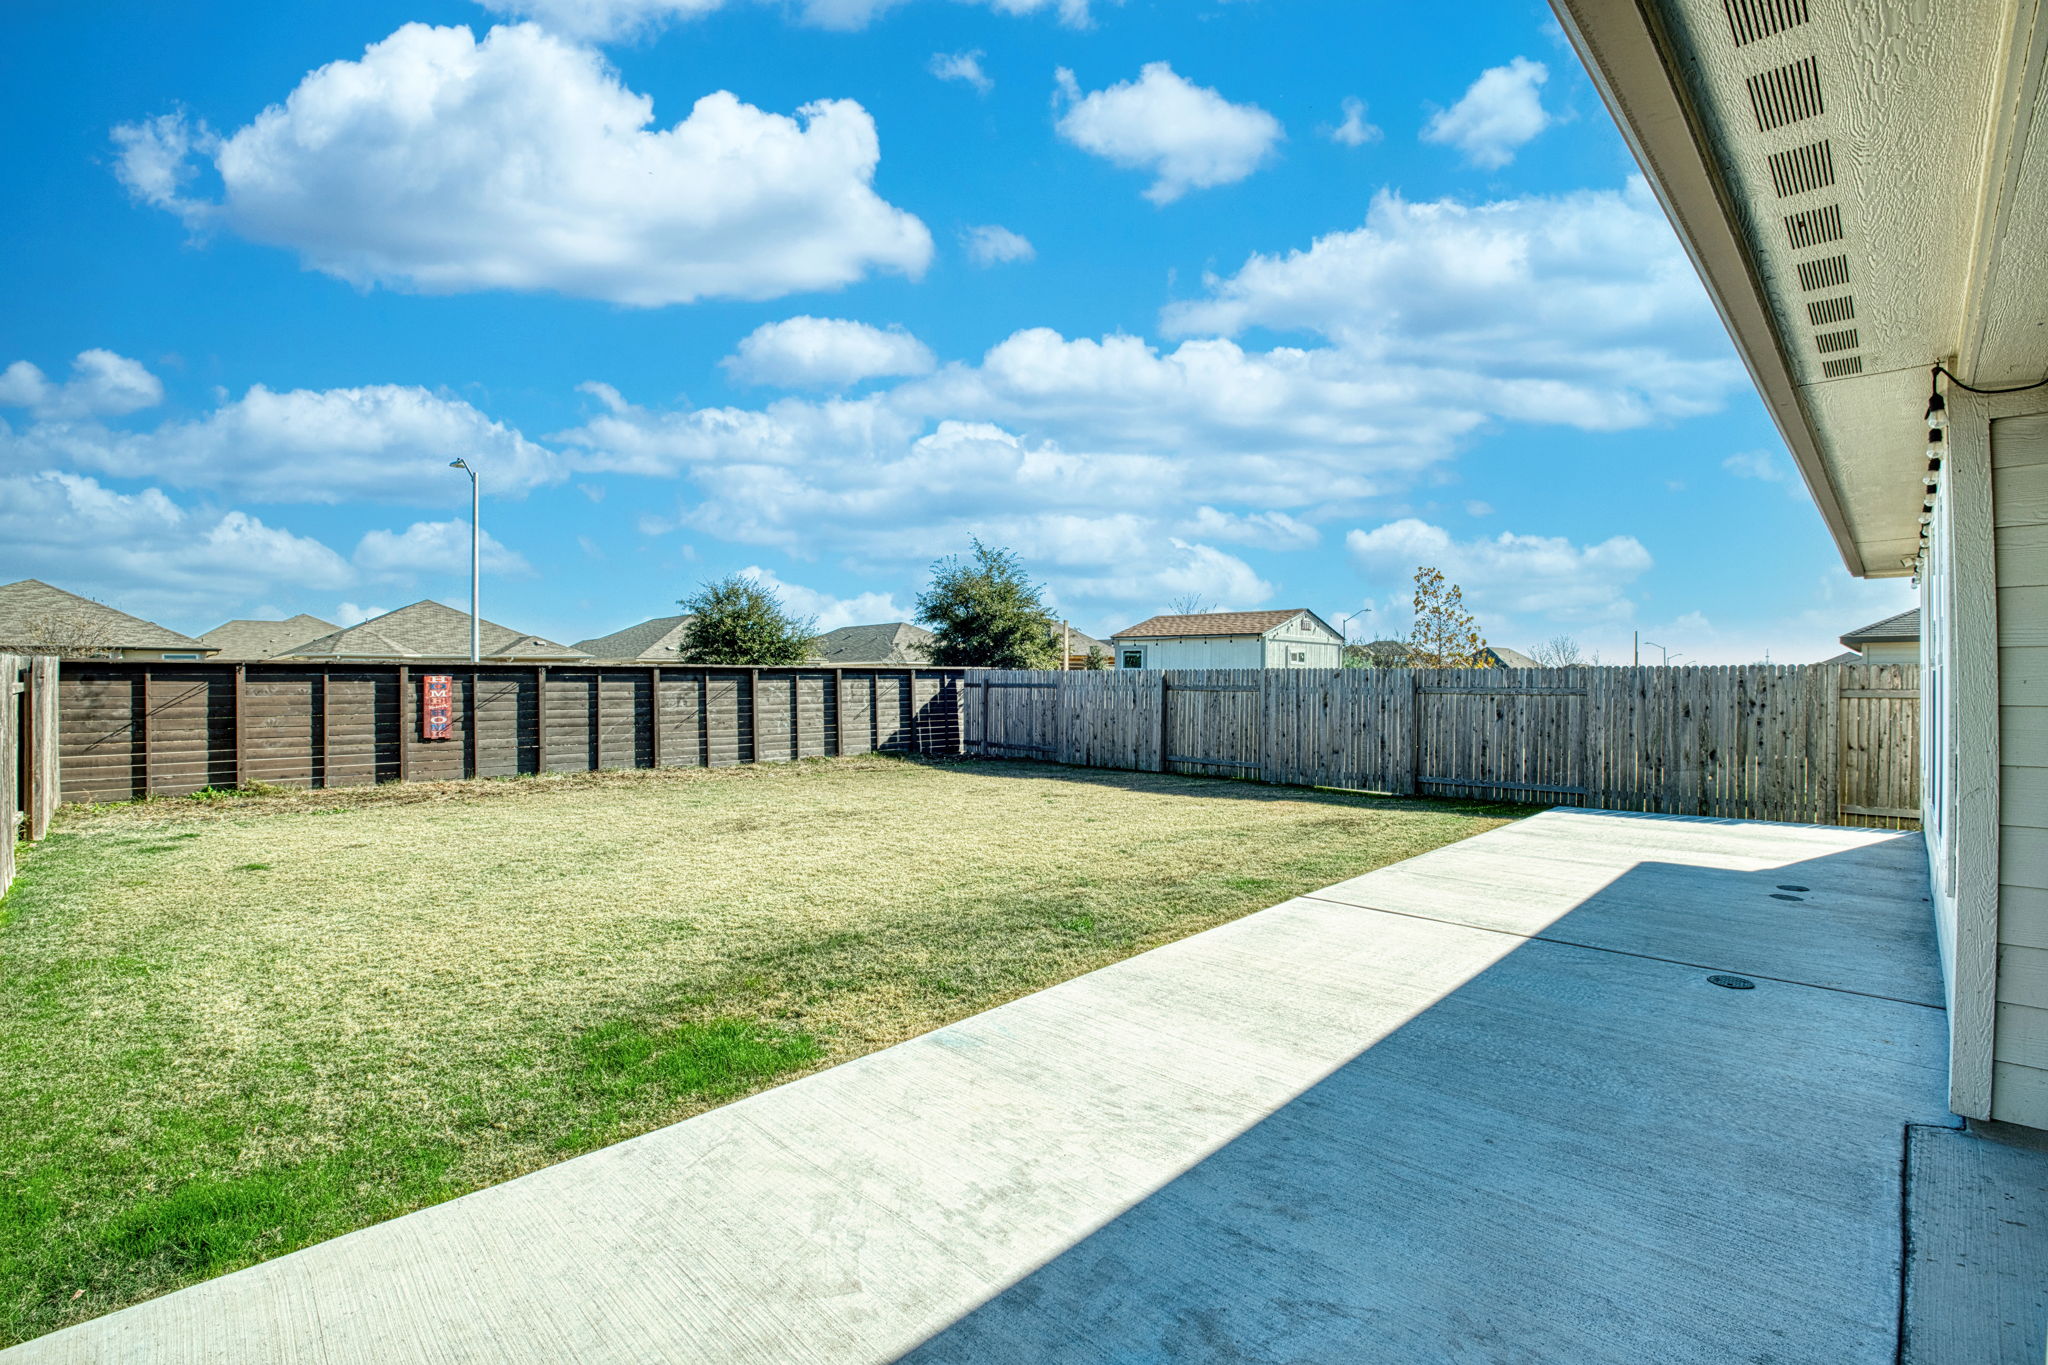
(1836, 341)
(1749, 20)
(1786, 95)
(1825, 312)
(1803, 169)
(1830, 272)
(1814, 226)
(1843, 368)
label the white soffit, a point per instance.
(1864, 185)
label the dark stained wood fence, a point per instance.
(130, 727)
(1830, 744)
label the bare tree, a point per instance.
(1560, 651)
(1189, 604)
(54, 632)
(1443, 635)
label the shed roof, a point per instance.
(659, 637)
(1904, 626)
(266, 639)
(30, 609)
(1212, 623)
(1511, 658)
(431, 630)
(888, 642)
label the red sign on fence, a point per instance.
(437, 700)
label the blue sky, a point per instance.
(1262, 301)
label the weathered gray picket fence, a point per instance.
(1822, 743)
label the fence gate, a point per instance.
(1491, 734)
(1210, 722)
(1877, 725)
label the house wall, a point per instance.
(1892, 652)
(1241, 651)
(2019, 488)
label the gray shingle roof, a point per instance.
(31, 608)
(267, 639)
(1511, 658)
(1904, 626)
(430, 630)
(658, 638)
(889, 642)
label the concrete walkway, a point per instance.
(1480, 1106)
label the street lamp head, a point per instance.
(457, 464)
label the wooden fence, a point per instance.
(1818, 744)
(28, 753)
(130, 728)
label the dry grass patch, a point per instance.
(235, 1026)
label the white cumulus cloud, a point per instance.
(444, 164)
(961, 66)
(1501, 111)
(1187, 136)
(1354, 131)
(433, 547)
(383, 443)
(830, 613)
(1578, 308)
(991, 244)
(102, 384)
(808, 352)
(1511, 581)
(147, 552)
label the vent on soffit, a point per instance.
(1829, 272)
(1786, 95)
(1842, 368)
(1836, 341)
(1802, 169)
(1749, 20)
(1827, 312)
(1814, 226)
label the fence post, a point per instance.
(1414, 746)
(45, 775)
(754, 712)
(241, 723)
(11, 688)
(540, 718)
(838, 713)
(653, 717)
(1165, 718)
(326, 725)
(404, 749)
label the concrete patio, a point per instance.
(1484, 1105)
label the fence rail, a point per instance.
(28, 752)
(130, 728)
(1817, 744)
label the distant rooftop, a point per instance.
(267, 639)
(1904, 626)
(35, 615)
(1212, 623)
(430, 630)
(657, 638)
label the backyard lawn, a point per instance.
(231, 1027)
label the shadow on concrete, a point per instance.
(1577, 1155)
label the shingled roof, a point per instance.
(889, 642)
(31, 610)
(1904, 626)
(267, 639)
(1212, 623)
(658, 638)
(431, 630)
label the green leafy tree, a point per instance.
(740, 622)
(1097, 661)
(1444, 634)
(985, 612)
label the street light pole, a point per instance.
(1346, 626)
(476, 651)
(1661, 650)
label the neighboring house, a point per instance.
(1296, 638)
(245, 640)
(1500, 656)
(657, 639)
(1382, 654)
(1863, 188)
(36, 618)
(890, 642)
(1078, 646)
(1894, 640)
(430, 630)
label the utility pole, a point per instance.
(476, 651)
(1637, 652)
(1066, 645)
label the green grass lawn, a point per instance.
(229, 1028)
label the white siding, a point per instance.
(1242, 651)
(2019, 486)
(1892, 652)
